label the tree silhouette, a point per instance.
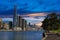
(51, 22)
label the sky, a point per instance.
(34, 11)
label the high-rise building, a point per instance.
(29, 24)
(6, 26)
(22, 27)
(24, 24)
(19, 21)
(10, 24)
(0, 22)
(15, 17)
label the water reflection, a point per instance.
(27, 35)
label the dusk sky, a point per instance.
(35, 9)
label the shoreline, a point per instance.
(18, 30)
(45, 37)
(51, 36)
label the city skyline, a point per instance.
(30, 8)
(29, 19)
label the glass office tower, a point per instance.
(15, 17)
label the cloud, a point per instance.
(35, 14)
(6, 16)
(34, 20)
(7, 19)
(39, 24)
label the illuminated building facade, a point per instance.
(24, 24)
(15, 17)
(6, 26)
(19, 21)
(0, 22)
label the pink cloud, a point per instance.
(35, 14)
(35, 18)
(39, 24)
(32, 18)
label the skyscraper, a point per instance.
(19, 21)
(0, 22)
(10, 24)
(24, 24)
(15, 17)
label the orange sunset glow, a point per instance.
(36, 14)
(39, 24)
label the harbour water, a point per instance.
(21, 35)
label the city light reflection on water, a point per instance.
(23, 35)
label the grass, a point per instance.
(56, 31)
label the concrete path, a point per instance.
(52, 37)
